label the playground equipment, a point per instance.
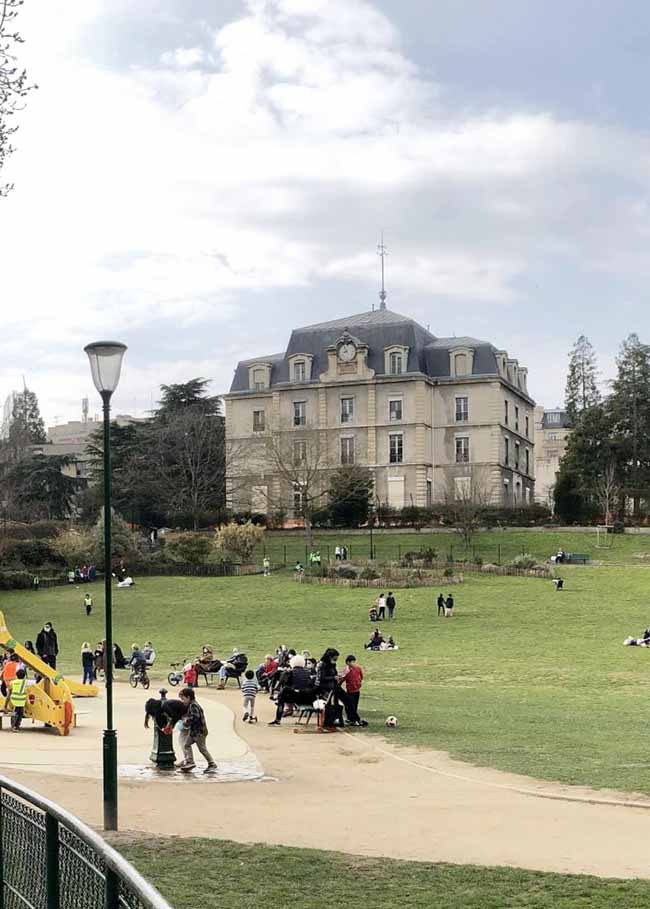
(50, 699)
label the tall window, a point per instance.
(395, 411)
(462, 410)
(395, 447)
(347, 450)
(505, 412)
(299, 371)
(506, 451)
(527, 426)
(516, 455)
(299, 413)
(396, 364)
(347, 410)
(517, 418)
(259, 379)
(258, 421)
(299, 452)
(429, 493)
(527, 461)
(462, 449)
(553, 416)
(297, 502)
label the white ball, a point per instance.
(319, 704)
(391, 722)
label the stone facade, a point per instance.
(551, 435)
(428, 415)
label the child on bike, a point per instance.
(137, 662)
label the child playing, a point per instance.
(88, 603)
(190, 675)
(194, 732)
(18, 698)
(249, 689)
(87, 663)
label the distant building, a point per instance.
(552, 431)
(7, 415)
(427, 415)
(71, 438)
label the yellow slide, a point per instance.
(50, 699)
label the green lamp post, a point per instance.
(105, 366)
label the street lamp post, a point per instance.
(105, 365)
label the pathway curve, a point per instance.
(352, 793)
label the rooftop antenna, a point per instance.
(84, 410)
(382, 252)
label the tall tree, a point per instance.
(629, 406)
(591, 451)
(13, 81)
(26, 428)
(350, 492)
(582, 379)
(36, 487)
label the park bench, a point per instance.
(576, 558)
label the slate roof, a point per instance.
(378, 329)
(563, 423)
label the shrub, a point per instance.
(239, 539)
(347, 573)
(124, 543)
(448, 572)
(75, 547)
(369, 574)
(44, 530)
(192, 548)
(31, 553)
(525, 560)
(15, 580)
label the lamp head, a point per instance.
(105, 364)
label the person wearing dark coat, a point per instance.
(441, 604)
(47, 645)
(165, 712)
(298, 688)
(328, 687)
(390, 605)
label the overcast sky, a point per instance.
(197, 177)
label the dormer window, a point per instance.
(259, 376)
(299, 371)
(396, 360)
(461, 362)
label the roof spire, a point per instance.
(382, 252)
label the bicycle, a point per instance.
(139, 675)
(176, 677)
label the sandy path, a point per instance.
(353, 793)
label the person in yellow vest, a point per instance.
(18, 698)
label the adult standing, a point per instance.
(441, 604)
(449, 606)
(47, 645)
(390, 604)
(380, 603)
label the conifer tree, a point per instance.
(582, 379)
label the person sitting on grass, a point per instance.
(298, 688)
(194, 732)
(375, 641)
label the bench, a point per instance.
(576, 558)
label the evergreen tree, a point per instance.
(350, 492)
(27, 427)
(629, 408)
(582, 380)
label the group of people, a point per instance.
(445, 606)
(341, 553)
(87, 573)
(378, 642)
(13, 672)
(377, 611)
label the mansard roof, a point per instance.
(378, 329)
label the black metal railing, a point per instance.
(51, 860)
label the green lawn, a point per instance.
(493, 546)
(522, 678)
(198, 874)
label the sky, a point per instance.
(197, 178)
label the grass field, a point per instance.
(493, 546)
(522, 678)
(198, 874)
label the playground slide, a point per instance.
(50, 699)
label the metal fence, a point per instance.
(51, 860)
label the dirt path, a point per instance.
(355, 793)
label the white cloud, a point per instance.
(157, 198)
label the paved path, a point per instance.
(353, 793)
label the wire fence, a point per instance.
(51, 860)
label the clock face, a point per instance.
(347, 352)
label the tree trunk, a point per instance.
(309, 532)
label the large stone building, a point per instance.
(432, 417)
(552, 431)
